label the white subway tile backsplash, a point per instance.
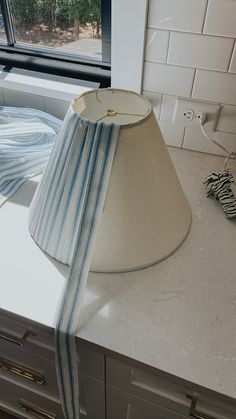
(22, 99)
(56, 107)
(168, 79)
(191, 55)
(172, 134)
(157, 45)
(168, 108)
(221, 18)
(215, 86)
(227, 120)
(232, 68)
(181, 15)
(195, 140)
(200, 51)
(155, 99)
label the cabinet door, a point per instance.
(174, 395)
(121, 405)
(92, 398)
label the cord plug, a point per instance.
(202, 118)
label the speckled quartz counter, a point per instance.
(178, 316)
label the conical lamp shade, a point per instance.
(146, 216)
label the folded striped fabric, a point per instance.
(26, 140)
(74, 185)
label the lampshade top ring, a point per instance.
(118, 106)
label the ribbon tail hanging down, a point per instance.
(96, 164)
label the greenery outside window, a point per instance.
(66, 37)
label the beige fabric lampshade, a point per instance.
(146, 215)
(109, 200)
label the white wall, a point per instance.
(128, 43)
(191, 53)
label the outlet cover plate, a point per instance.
(198, 108)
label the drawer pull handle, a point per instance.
(18, 369)
(12, 340)
(9, 338)
(193, 412)
(37, 413)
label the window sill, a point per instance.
(42, 86)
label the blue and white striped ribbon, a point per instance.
(27, 137)
(74, 185)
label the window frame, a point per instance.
(57, 62)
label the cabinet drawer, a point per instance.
(122, 405)
(170, 394)
(16, 399)
(20, 400)
(26, 337)
(27, 368)
(23, 334)
(39, 373)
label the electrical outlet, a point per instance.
(188, 112)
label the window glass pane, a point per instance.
(69, 25)
(2, 30)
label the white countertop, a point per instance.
(178, 316)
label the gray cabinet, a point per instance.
(121, 405)
(22, 401)
(128, 390)
(135, 392)
(92, 398)
(28, 382)
(4, 415)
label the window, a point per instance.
(66, 37)
(2, 30)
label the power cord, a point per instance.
(229, 154)
(219, 183)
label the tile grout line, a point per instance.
(182, 142)
(208, 35)
(188, 67)
(168, 47)
(160, 111)
(194, 78)
(205, 15)
(231, 57)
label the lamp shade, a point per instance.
(109, 200)
(146, 215)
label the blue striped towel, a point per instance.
(74, 185)
(26, 140)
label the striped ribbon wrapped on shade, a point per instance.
(27, 137)
(74, 185)
(26, 140)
